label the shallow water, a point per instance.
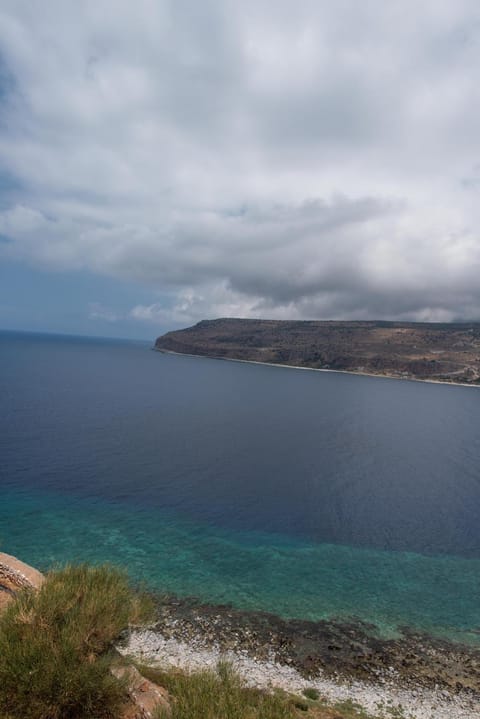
(307, 494)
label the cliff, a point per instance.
(434, 351)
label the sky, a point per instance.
(163, 162)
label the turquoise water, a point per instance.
(309, 495)
(250, 570)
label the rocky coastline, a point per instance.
(426, 677)
(414, 676)
(350, 649)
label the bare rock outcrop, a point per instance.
(15, 575)
(145, 696)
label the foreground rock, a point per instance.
(15, 575)
(145, 696)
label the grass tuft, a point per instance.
(221, 694)
(311, 693)
(218, 694)
(55, 645)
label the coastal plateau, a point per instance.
(447, 352)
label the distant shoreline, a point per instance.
(450, 383)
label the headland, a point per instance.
(432, 352)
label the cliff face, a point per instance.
(444, 352)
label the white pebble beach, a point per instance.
(378, 698)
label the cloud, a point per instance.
(271, 159)
(97, 311)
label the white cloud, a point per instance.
(97, 311)
(257, 158)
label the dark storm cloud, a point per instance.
(260, 158)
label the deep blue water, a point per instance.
(307, 494)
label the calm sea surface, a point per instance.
(307, 494)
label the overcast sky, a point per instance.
(163, 162)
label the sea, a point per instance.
(314, 495)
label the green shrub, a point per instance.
(218, 695)
(55, 644)
(311, 693)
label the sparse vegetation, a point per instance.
(445, 352)
(218, 695)
(55, 645)
(221, 694)
(57, 652)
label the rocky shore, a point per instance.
(412, 677)
(426, 677)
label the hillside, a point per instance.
(442, 352)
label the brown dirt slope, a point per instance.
(443, 352)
